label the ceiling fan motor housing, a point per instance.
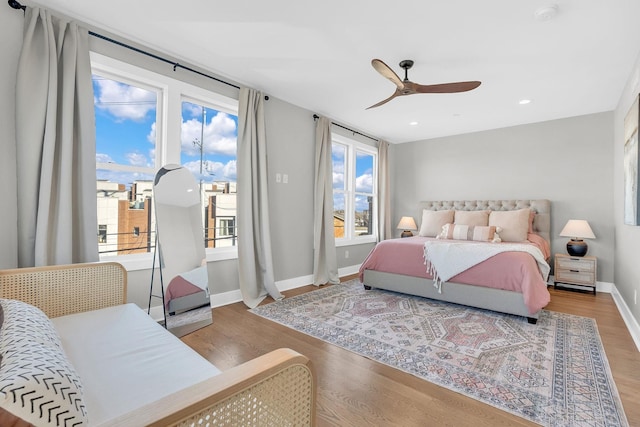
(406, 64)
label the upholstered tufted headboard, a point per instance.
(542, 208)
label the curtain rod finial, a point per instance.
(16, 5)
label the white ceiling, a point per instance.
(317, 54)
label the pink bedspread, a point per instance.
(512, 271)
(179, 287)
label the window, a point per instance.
(145, 120)
(126, 115)
(102, 233)
(208, 149)
(354, 191)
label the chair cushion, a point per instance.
(127, 360)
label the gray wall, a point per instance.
(627, 237)
(568, 161)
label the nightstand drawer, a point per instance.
(582, 265)
(575, 276)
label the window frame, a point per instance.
(350, 193)
(171, 93)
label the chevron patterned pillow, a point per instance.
(38, 385)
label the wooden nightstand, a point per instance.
(579, 271)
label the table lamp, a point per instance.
(407, 223)
(577, 229)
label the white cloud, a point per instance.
(151, 136)
(123, 101)
(137, 159)
(103, 158)
(121, 177)
(337, 166)
(338, 151)
(193, 110)
(230, 170)
(219, 136)
(364, 183)
(338, 180)
(213, 171)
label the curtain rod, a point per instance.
(16, 5)
(316, 117)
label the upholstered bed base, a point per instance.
(475, 296)
(459, 293)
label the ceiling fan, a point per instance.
(407, 87)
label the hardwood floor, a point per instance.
(355, 391)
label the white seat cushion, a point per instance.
(125, 360)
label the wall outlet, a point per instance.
(346, 254)
(285, 178)
(278, 178)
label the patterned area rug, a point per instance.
(554, 373)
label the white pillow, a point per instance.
(479, 233)
(514, 224)
(433, 221)
(472, 217)
(37, 382)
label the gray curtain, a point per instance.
(254, 238)
(55, 137)
(384, 203)
(325, 264)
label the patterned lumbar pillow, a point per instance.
(470, 232)
(38, 384)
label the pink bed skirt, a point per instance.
(511, 271)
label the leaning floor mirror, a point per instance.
(180, 250)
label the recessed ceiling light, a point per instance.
(413, 123)
(524, 101)
(546, 13)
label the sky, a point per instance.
(364, 176)
(126, 134)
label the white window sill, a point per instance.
(358, 241)
(144, 261)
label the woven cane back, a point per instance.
(285, 399)
(55, 290)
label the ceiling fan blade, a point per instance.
(387, 72)
(396, 93)
(446, 87)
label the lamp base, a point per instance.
(406, 233)
(577, 247)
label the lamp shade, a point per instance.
(577, 229)
(407, 223)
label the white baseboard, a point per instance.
(348, 271)
(225, 298)
(627, 316)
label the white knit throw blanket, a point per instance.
(447, 259)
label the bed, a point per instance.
(509, 282)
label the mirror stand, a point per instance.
(180, 250)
